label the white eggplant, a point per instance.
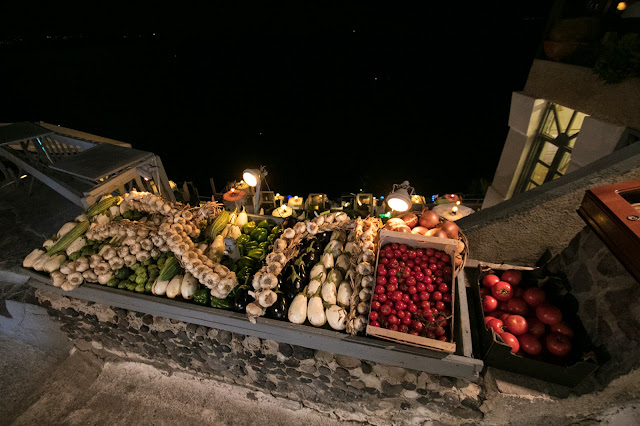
(339, 235)
(54, 263)
(329, 292)
(335, 247)
(242, 218)
(32, 257)
(314, 286)
(344, 294)
(343, 262)
(336, 317)
(315, 311)
(318, 270)
(189, 286)
(297, 313)
(173, 288)
(334, 276)
(328, 260)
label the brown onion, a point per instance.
(393, 222)
(419, 230)
(451, 229)
(402, 228)
(429, 219)
(410, 219)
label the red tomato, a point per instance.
(488, 318)
(534, 296)
(516, 325)
(512, 276)
(503, 316)
(536, 327)
(511, 340)
(490, 280)
(563, 328)
(489, 303)
(496, 325)
(502, 291)
(518, 292)
(558, 344)
(517, 306)
(548, 314)
(530, 344)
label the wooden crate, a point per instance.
(417, 241)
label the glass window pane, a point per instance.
(576, 124)
(539, 173)
(549, 127)
(564, 163)
(531, 185)
(548, 152)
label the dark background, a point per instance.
(419, 92)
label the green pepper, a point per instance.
(123, 273)
(149, 284)
(87, 251)
(259, 234)
(139, 288)
(242, 239)
(141, 279)
(264, 245)
(123, 284)
(221, 303)
(245, 261)
(241, 274)
(276, 229)
(248, 227)
(271, 238)
(113, 282)
(75, 256)
(202, 296)
(132, 277)
(250, 246)
(131, 286)
(264, 223)
(257, 254)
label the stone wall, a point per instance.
(350, 388)
(608, 298)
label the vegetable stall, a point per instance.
(353, 282)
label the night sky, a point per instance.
(329, 97)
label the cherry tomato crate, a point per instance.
(488, 346)
(445, 245)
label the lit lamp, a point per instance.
(400, 197)
(253, 178)
(454, 210)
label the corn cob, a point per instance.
(218, 224)
(170, 269)
(103, 205)
(65, 241)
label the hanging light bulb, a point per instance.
(400, 197)
(251, 176)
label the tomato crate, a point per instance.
(445, 245)
(582, 359)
